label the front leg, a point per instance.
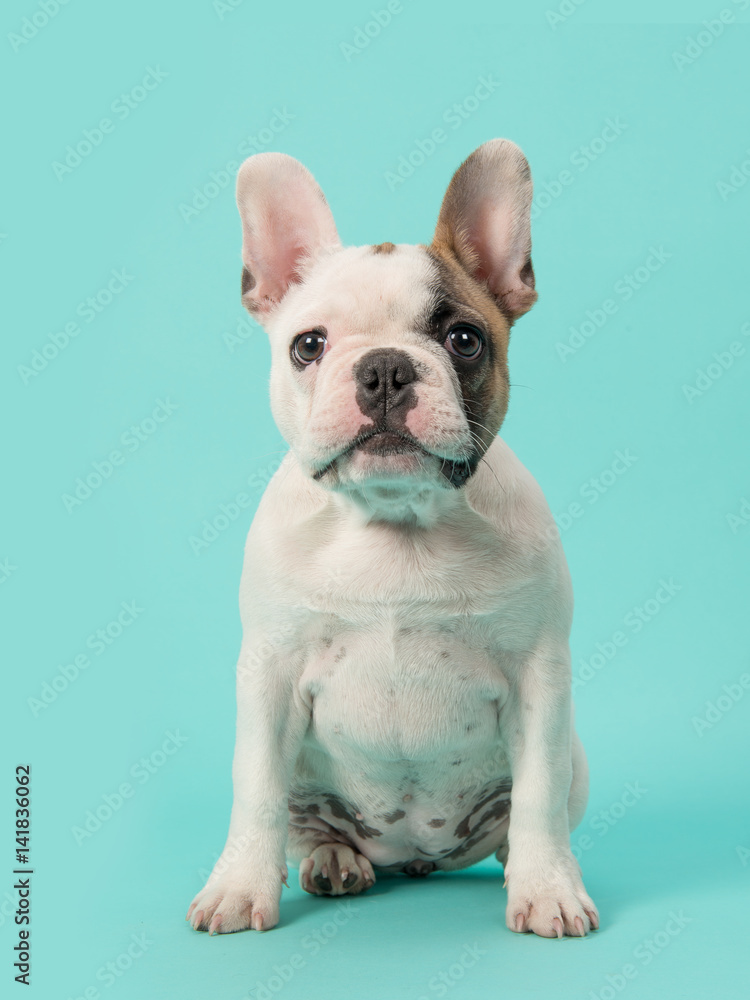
(244, 888)
(546, 894)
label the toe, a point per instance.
(322, 882)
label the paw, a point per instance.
(335, 870)
(235, 903)
(551, 908)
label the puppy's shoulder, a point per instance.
(504, 492)
(290, 502)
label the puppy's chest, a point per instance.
(397, 691)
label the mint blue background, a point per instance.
(676, 848)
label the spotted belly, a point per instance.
(404, 757)
(413, 832)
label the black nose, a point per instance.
(385, 380)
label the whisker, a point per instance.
(280, 451)
(475, 438)
(494, 475)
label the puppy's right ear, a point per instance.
(285, 222)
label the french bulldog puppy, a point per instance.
(404, 681)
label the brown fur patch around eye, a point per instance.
(484, 388)
(383, 247)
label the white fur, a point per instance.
(317, 411)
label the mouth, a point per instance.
(386, 442)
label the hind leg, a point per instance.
(579, 786)
(329, 864)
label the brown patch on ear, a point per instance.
(448, 244)
(248, 281)
(383, 247)
(484, 222)
(485, 389)
(248, 301)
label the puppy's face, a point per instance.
(389, 362)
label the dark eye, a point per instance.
(308, 347)
(465, 342)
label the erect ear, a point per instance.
(485, 222)
(285, 222)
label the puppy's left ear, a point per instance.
(286, 221)
(485, 222)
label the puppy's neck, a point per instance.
(402, 502)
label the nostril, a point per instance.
(384, 378)
(403, 374)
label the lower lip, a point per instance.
(387, 444)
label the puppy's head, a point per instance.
(389, 362)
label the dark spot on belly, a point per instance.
(339, 810)
(496, 811)
(394, 816)
(436, 823)
(455, 763)
(445, 654)
(340, 655)
(467, 845)
(327, 641)
(464, 828)
(301, 811)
